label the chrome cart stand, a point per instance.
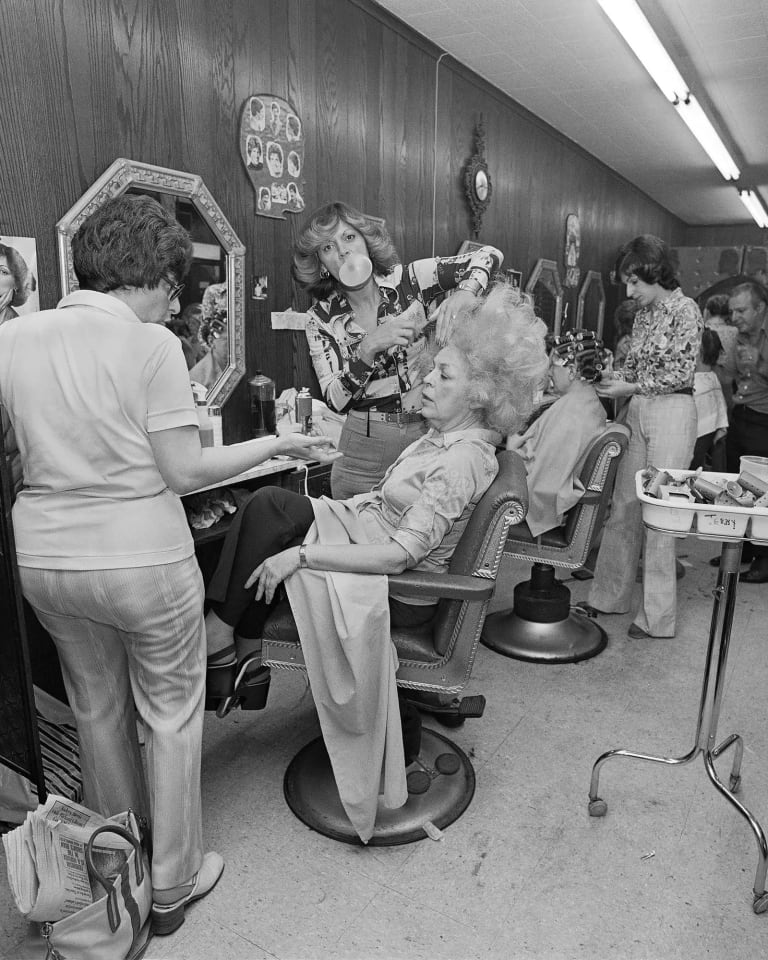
(709, 712)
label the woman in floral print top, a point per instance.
(657, 376)
(368, 341)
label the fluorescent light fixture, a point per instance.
(752, 202)
(630, 21)
(699, 125)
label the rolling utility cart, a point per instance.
(731, 525)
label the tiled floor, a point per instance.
(525, 873)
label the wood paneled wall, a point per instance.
(164, 82)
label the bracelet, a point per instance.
(474, 289)
(303, 555)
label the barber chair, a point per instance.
(542, 626)
(435, 660)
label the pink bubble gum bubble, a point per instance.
(355, 272)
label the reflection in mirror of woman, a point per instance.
(17, 281)
(214, 333)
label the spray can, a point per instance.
(262, 392)
(304, 410)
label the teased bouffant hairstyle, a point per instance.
(711, 346)
(131, 241)
(624, 317)
(321, 224)
(582, 351)
(718, 305)
(502, 341)
(24, 281)
(650, 259)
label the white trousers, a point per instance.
(663, 435)
(125, 637)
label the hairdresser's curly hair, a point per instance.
(502, 341)
(320, 226)
(130, 241)
(24, 282)
(650, 259)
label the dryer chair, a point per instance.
(435, 661)
(542, 626)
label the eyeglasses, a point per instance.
(174, 290)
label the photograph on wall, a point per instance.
(272, 148)
(18, 277)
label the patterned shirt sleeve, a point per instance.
(665, 345)
(341, 374)
(437, 275)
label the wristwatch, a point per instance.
(472, 285)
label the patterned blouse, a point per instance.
(665, 345)
(346, 381)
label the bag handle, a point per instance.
(113, 913)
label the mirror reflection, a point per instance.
(546, 288)
(209, 324)
(590, 309)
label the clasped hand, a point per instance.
(614, 389)
(271, 572)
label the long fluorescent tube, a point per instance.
(752, 202)
(699, 125)
(631, 23)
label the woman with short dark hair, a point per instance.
(99, 397)
(657, 377)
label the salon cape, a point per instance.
(343, 625)
(554, 448)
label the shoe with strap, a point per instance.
(168, 905)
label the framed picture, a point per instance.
(514, 278)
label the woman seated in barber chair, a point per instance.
(482, 385)
(555, 444)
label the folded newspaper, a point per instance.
(47, 872)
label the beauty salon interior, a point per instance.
(564, 758)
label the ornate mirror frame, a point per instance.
(120, 177)
(546, 271)
(591, 278)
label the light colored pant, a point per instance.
(663, 435)
(369, 448)
(129, 636)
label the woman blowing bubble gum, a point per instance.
(366, 331)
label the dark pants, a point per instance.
(747, 435)
(273, 520)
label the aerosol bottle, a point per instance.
(304, 410)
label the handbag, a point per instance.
(116, 926)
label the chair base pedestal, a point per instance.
(575, 638)
(310, 791)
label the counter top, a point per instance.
(273, 465)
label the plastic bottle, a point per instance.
(262, 391)
(205, 421)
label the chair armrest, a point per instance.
(453, 586)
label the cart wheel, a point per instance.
(761, 903)
(735, 783)
(597, 807)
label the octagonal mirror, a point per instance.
(210, 324)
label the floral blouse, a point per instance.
(394, 379)
(665, 345)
